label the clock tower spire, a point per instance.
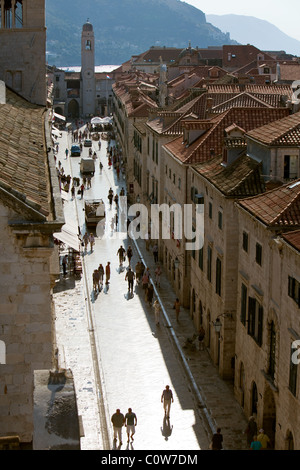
(88, 82)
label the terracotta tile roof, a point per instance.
(129, 92)
(292, 238)
(168, 54)
(241, 55)
(223, 98)
(23, 156)
(242, 178)
(284, 132)
(278, 208)
(211, 142)
(242, 100)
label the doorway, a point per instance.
(269, 416)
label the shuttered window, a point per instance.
(255, 320)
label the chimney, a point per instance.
(209, 105)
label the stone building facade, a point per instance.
(215, 146)
(30, 212)
(23, 29)
(267, 324)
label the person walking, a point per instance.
(145, 280)
(64, 264)
(201, 337)
(107, 273)
(177, 308)
(130, 423)
(121, 252)
(129, 254)
(73, 191)
(138, 272)
(92, 241)
(217, 439)
(118, 421)
(89, 182)
(110, 196)
(155, 252)
(101, 274)
(157, 275)
(255, 444)
(167, 399)
(264, 440)
(251, 430)
(149, 293)
(101, 168)
(86, 240)
(96, 281)
(81, 190)
(157, 310)
(130, 278)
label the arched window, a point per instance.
(19, 14)
(289, 441)
(254, 399)
(200, 313)
(11, 14)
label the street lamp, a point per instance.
(138, 199)
(217, 324)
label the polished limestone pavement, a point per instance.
(120, 358)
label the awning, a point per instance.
(59, 116)
(68, 236)
(98, 120)
(56, 132)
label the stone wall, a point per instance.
(26, 324)
(277, 408)
(23, 54)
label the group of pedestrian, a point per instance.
(141, 276)
(98, 277)
(115, 159)
(111, 197)
(119, 420)
(88, 239)
(80, 134)
(67, 183)
(256, 440)
(129, 420)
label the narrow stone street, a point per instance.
(120, 358)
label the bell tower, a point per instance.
(88, 81)
(23, 48)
